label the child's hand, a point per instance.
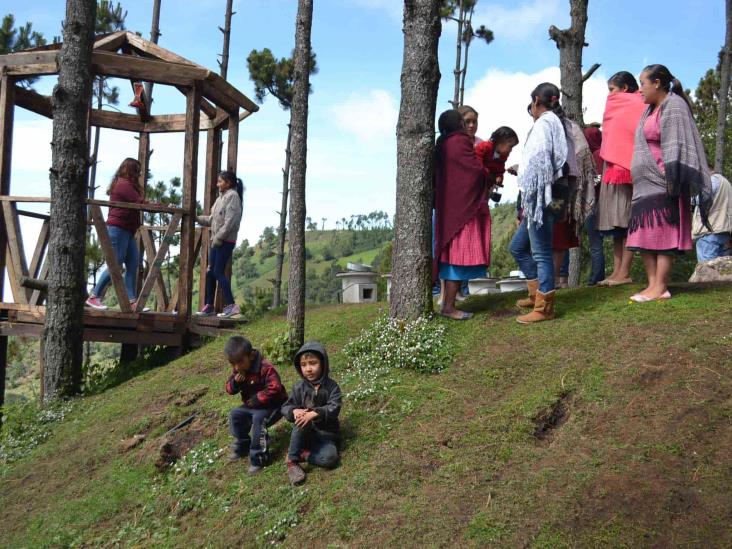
(306, 417)
(513, 170)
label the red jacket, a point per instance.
(261, 387)
(495, 166)
(124, 190)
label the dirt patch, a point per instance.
(191, 396)
(552, 418)
(504, 313)
(166, 450)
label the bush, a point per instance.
(390, 344)
(279, 351)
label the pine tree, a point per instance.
(14, 39)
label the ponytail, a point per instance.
(668, 82)
(240, 190)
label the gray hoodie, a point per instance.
(224, 219)
(325, 399)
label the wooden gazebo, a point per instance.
(212, 105)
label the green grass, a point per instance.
(643, 457)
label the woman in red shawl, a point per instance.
(462, 217)
(623, 110)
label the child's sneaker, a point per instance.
(254, 469)
(95, 303)
(295, 473)
(207, 310)
(230, 310)
(133, 304)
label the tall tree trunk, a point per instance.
(224, 63)
(464, 71)
(723, 92)
(277, 298)
(63, 332)
(299, 137)
(154, 37)
(412, 255)
(570, 43)
(458, 55)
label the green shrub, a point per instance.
(279, 351)
(390, 344)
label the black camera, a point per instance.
(495, 197)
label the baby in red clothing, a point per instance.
(494, 153)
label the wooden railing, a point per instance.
(19, 271)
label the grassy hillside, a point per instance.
(609, 427)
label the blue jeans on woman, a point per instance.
(125, 250)
(712, 246)
(597, 253)
(531, 247)
(218, 258)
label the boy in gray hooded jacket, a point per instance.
(313, 408)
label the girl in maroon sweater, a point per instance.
(122, 224)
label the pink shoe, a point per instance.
(95, 303)
(665, 295)
(640, 298)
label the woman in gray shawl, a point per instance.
(668, 168)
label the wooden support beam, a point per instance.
(150, 253)
(111, 42)
(139, 68)
(35, 215)
(131, 206)
(110, 258)
(7, 111)
(213, 165)
(154, 267)
(173, 304)
(217, 83)
(232, 143)
(219, 97)
(151, 48)
(34, 268)
(30, 63)
(190, 171)
(15, 247)
(15, 288)
(37, 296)
(116, 120)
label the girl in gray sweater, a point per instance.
(224, 221)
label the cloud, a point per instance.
(370, 117)
(521, 21)
(501, 98)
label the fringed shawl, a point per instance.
(542, 159)
(583, 202)
(459, 189)
(685, 164)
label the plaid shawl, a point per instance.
(583, 201)
(655, 194)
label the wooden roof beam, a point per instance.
(161, 72)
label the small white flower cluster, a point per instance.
(278, 532)
(20, 435)
(198, 460)
(390, 344)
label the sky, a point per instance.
(351, 162)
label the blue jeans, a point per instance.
(711, 247)
(597, 253)
(531, 247)
(125, 250)
(218, 258)
(241, 420)
(323, 451)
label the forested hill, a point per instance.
(359, 239)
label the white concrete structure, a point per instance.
(388, 286)
(480, 286)
(512, 285)
(358, 287)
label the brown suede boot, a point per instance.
(543, 309)
(533, 286)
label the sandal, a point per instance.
(463, 315)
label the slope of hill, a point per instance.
(608, 427)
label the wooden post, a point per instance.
(7, 108)
(233, 143)
(213, 165)
(190, 169)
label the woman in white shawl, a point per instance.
(542, 164)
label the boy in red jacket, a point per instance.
(262, 395)
(494, 152)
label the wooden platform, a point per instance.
(114, 326)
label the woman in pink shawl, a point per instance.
(462, 218)
(623, 110)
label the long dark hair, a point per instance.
(668, 82)
(129, 169)
(548, 95)
(504, 134)
(450, 121)
(624, 79)
(234, 183)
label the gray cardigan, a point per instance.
(224, 219)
